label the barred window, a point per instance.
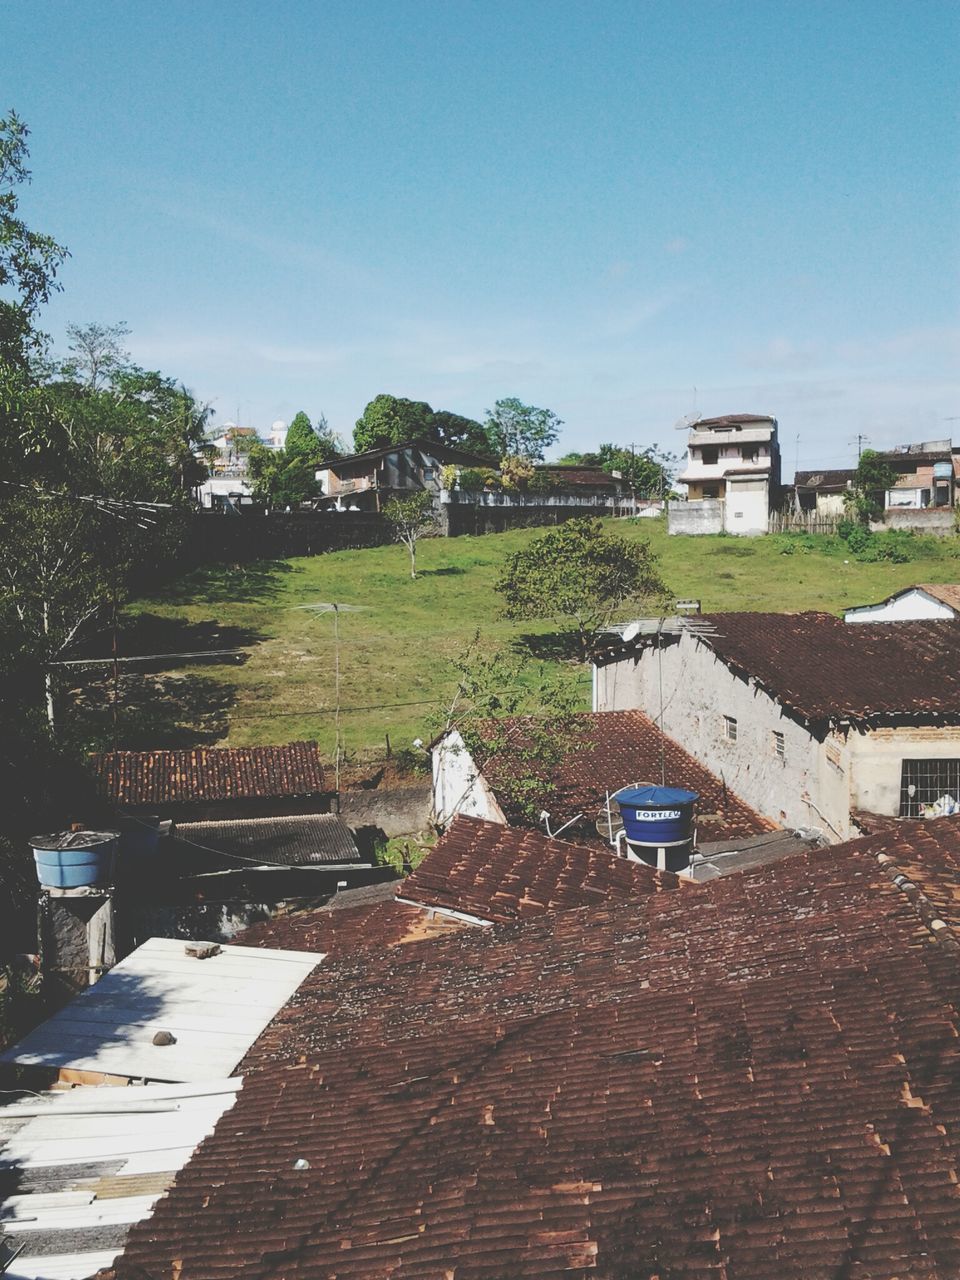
(779, 745)
(923, 782)
(730, 728)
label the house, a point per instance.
(732, 476)
(822, 492)
(752, 1078)
(214, 782)
(926, 475)
(366, 481)
(805, 716)
(940, 600)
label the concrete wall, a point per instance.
(458, 786)
(877, 758)
(468, 518)
(703, 516)
(938, 521)
(400, 811)
(809, 788)
(747, 507)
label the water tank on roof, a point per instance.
(658, 824)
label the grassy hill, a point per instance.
(396, 647)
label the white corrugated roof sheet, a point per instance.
(214, 1008)
(82, 1166)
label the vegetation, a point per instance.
(874, 476)
(649, 473)
(411, 518)
(582, 576)
(391, 420)
(396, 653)
(517, 430)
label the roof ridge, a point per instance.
(939, 929)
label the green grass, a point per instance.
(397, 650)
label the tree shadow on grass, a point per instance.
(553, 646)
(253, 583)
(449, 571)
(144, 635)
(153, 712)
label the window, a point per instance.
(924, 783)
(779, 746)
(709, 455)
(730, 728)
(710, 490)
(750, 453)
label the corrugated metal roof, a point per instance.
(214, 1008)
(302, 840)
(81, 1167)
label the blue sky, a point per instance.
(624, 212)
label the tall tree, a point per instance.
(281, 478)
(874, 476)
(97, 354)
(517, 430)
(29, 261)
(459, 432)
(649, 473)
(302, 441)
(581, 576)
(391, 420)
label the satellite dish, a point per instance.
(687, 421)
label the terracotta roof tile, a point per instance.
(140, 778)
(501, 873)
(614, 749)
(756, 1078)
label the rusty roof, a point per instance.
(823, 480)
(500, 873)
(142, 778)
(610, 750)
(946, 592)
(761, 1077)
(591, 477)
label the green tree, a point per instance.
(98, 355)
(493, 688)
(281, 479)
(517, 430)
(391, 420)
(581, 576)
(873, 477)
(410, 519)
(314, 444)
(458, 432)
(649, 473)
(29, 434)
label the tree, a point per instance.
(302, 441)
(29, 261)
(649, 473)
(410, 519)
(495, 684)
(98, 355)
(873, 477)
(458, 432)
(281, 479)
(516, 473)
(516, 430)
(583, 577)
(391, 420)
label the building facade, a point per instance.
(732, 476)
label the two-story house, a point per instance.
(732, 476)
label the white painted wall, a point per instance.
(877, 759)
(909, 606)
(747, 506)
(458, 785)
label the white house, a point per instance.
(925, 601)
(732, 476)
(809, 719)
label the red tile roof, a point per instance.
(757, 1078)
(824, 668)
(613, 749)
(345, 931)
(577, 477)
(500, 873)
(138, 778)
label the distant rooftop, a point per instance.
(142, 778)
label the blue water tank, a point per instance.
(657, 816)
(75, 859)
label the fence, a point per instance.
(802, 522)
